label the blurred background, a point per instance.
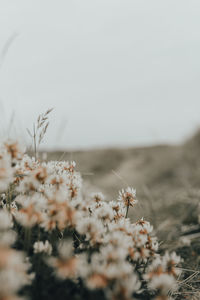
(117, 73)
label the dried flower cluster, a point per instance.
(14, 266)
(89, 242)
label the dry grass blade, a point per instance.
(30, 134)
(39, 130)
(48, 111)
(6, 47)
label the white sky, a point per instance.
(116, 72)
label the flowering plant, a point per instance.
(80, 246)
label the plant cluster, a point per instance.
(56, 243)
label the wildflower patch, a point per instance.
(56, 243)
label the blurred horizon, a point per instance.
(118, 73)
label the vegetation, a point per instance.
(60, 238)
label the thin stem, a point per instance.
(127, 209)
(9, 197)
(34, 141)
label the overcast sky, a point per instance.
(116, 72)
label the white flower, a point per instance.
(125, 287)
(118, 239)
(13, 274)
(6, 171)
(97, 197)
(163, 282)
(113, 254)
(162, 273)
(66, 265)
(5, 220)
(66, 249)
(14, 149)
(128, 196)
(122, 224)
(103, 212)
(42, 247)
(92, 228)
(143, 227)
(7, 238)
(173, 258)
(32, 209)
(118, 208)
